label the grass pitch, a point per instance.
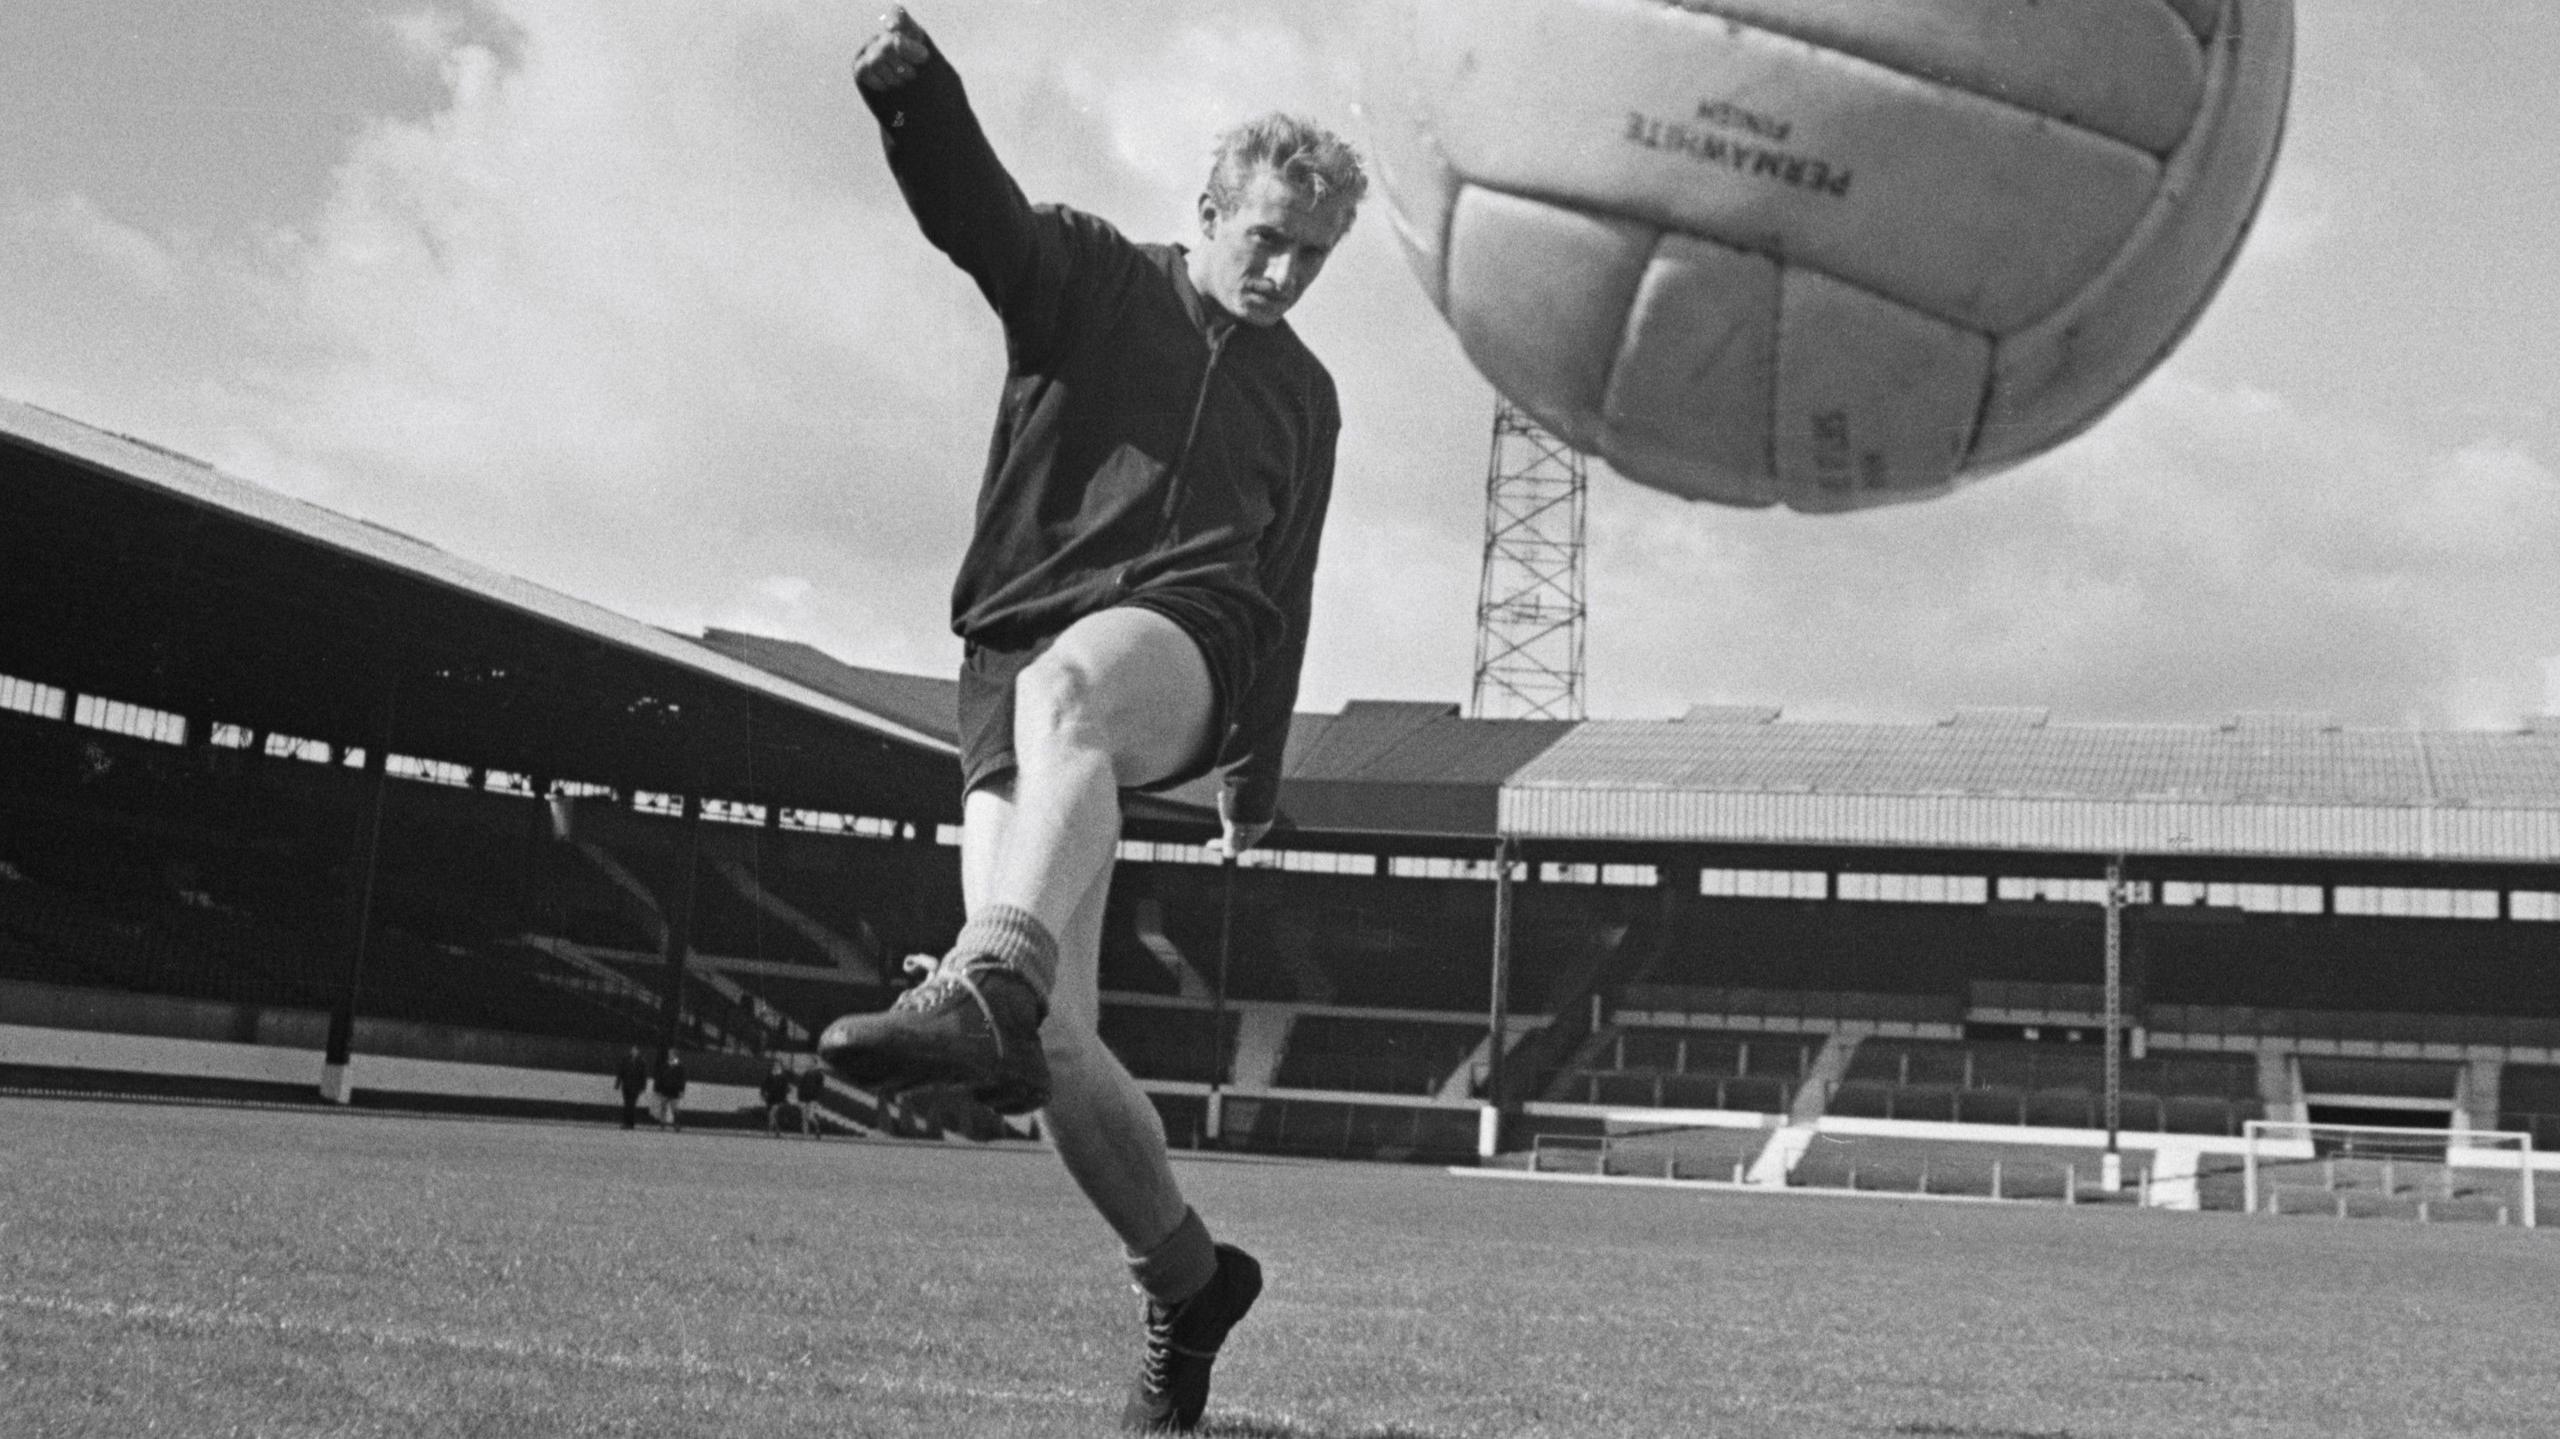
(173, 1270)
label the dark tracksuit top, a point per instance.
(1145, 439)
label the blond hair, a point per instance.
(1300, 152)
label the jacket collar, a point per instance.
(1207, 315)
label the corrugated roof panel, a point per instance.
(2085, 826)
(2495, 768)
(2296, 766)
(139, 463)
(920, 702)
(1484, 752)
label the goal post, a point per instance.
(2291, 1166)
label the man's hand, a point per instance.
(1234, 837)
(890, 58)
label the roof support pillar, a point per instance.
(337, 1059)
(1497, 1100)
(679, 941)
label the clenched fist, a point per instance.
(890, 58)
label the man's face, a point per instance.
(1258, 258)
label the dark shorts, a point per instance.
(1217, 623)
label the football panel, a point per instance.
(1403, 154)
(2057, 378)
(2202, 16)
(1687, 409)
(2130, 69)
(1539, 296)
(1876, 402)
(1976, 212)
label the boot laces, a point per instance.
(953, 972)
(1155, 1370)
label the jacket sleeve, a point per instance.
(966, 202)
(1288, 573)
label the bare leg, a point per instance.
(1121, 699)
(1101, 1124)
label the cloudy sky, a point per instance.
(615, 295)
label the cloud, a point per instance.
(2203, 551)
(634, 311)
(2297, 217)
(599, 320)
(75, 221)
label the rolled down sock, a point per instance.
(1015, 938)
(1180, 1266)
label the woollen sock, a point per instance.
(1015, 938)
(1181, 1265)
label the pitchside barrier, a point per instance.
(1869, 1165)
(1712, 1155)
(2348, 1171)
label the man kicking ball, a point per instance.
(1134, 605)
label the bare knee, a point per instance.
(1057, 707)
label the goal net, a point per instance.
(2349, 1171)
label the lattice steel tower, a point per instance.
(1529, 607)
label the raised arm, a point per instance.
(963, 199)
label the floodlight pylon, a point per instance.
(1530, 606)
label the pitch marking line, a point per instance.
(392, 1336)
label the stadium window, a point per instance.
(1628, 876)
(1915, 888)
(730, 811)
(1146, 851)
(2540, 905)
(1764, 883)
(858, 826)
(231, 736)
(28, 697)
(2015, 888)
(2291, 899)
(1306, 861)
(499, 781)
(947, 835)
(137, 721)
(650, 801)
(428, 771)
(352, 756)
(2068, 891)
(2256, 898)
(1432, 866)
(309, 751)
(2393, 902)
(816, 821)
(580, 789)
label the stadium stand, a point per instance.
(2056, 1085)
(1175, 1043)
(1378, 1056)
(1680, 1068)
(308, 775)
(2529, 1100)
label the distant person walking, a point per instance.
(668, 1085)
(632, 1079)
(775, 1091)
(812, 1089)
